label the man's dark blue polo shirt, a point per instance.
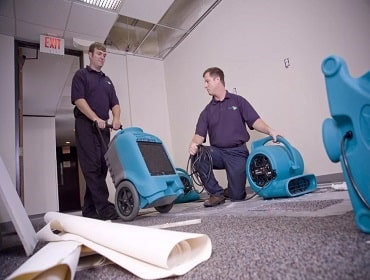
(225, 121)
(97, 89)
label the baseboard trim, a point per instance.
(330, 178)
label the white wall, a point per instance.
(148, 97)
(249, 41)
(40, 165)
(7, 111)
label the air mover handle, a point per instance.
(107, 125)
(292, 155)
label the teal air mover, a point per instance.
(277, 170)
(346, 136)
(142, 172)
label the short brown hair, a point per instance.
(98, 46)
(215, 72)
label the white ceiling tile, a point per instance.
(32, 32)
(89, 20)
(51, 13)
(85, 37)
(147, 10)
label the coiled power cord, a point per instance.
(202, 154)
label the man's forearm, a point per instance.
(262, 127)
(197, 139)
(116, 112)
(84, 107)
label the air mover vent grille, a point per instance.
(261, 170)
(299, 185)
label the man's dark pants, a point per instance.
(90, 151)
(234, 161)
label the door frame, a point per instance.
(18, 63)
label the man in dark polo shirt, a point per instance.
(225, 119)
(93, 95)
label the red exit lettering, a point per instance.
(52, 42)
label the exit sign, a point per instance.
(51, 44)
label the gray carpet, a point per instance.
(255, 247)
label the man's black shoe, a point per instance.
(90, 212)
(108, 213)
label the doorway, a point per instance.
(43, 88)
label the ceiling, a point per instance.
(148, 28)
(143, 27)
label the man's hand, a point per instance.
(101, 123)
(261, 126)
(274, 134)
(193, 148)
(116, 124)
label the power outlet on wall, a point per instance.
(286, 63)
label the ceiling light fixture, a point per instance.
(105, 4)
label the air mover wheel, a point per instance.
(164, 208)
(127, 201)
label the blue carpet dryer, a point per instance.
(142, 172)
(346, 136)
(276, 170)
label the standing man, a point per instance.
(93, 95)
(225, 119)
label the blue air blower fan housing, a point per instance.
(276, 170)
(346, 136)
(142, 172)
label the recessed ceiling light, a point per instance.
(105, 4)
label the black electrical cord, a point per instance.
(349, 135)
(202, 154)
(256, 193)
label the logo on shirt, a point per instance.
(233, 108)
